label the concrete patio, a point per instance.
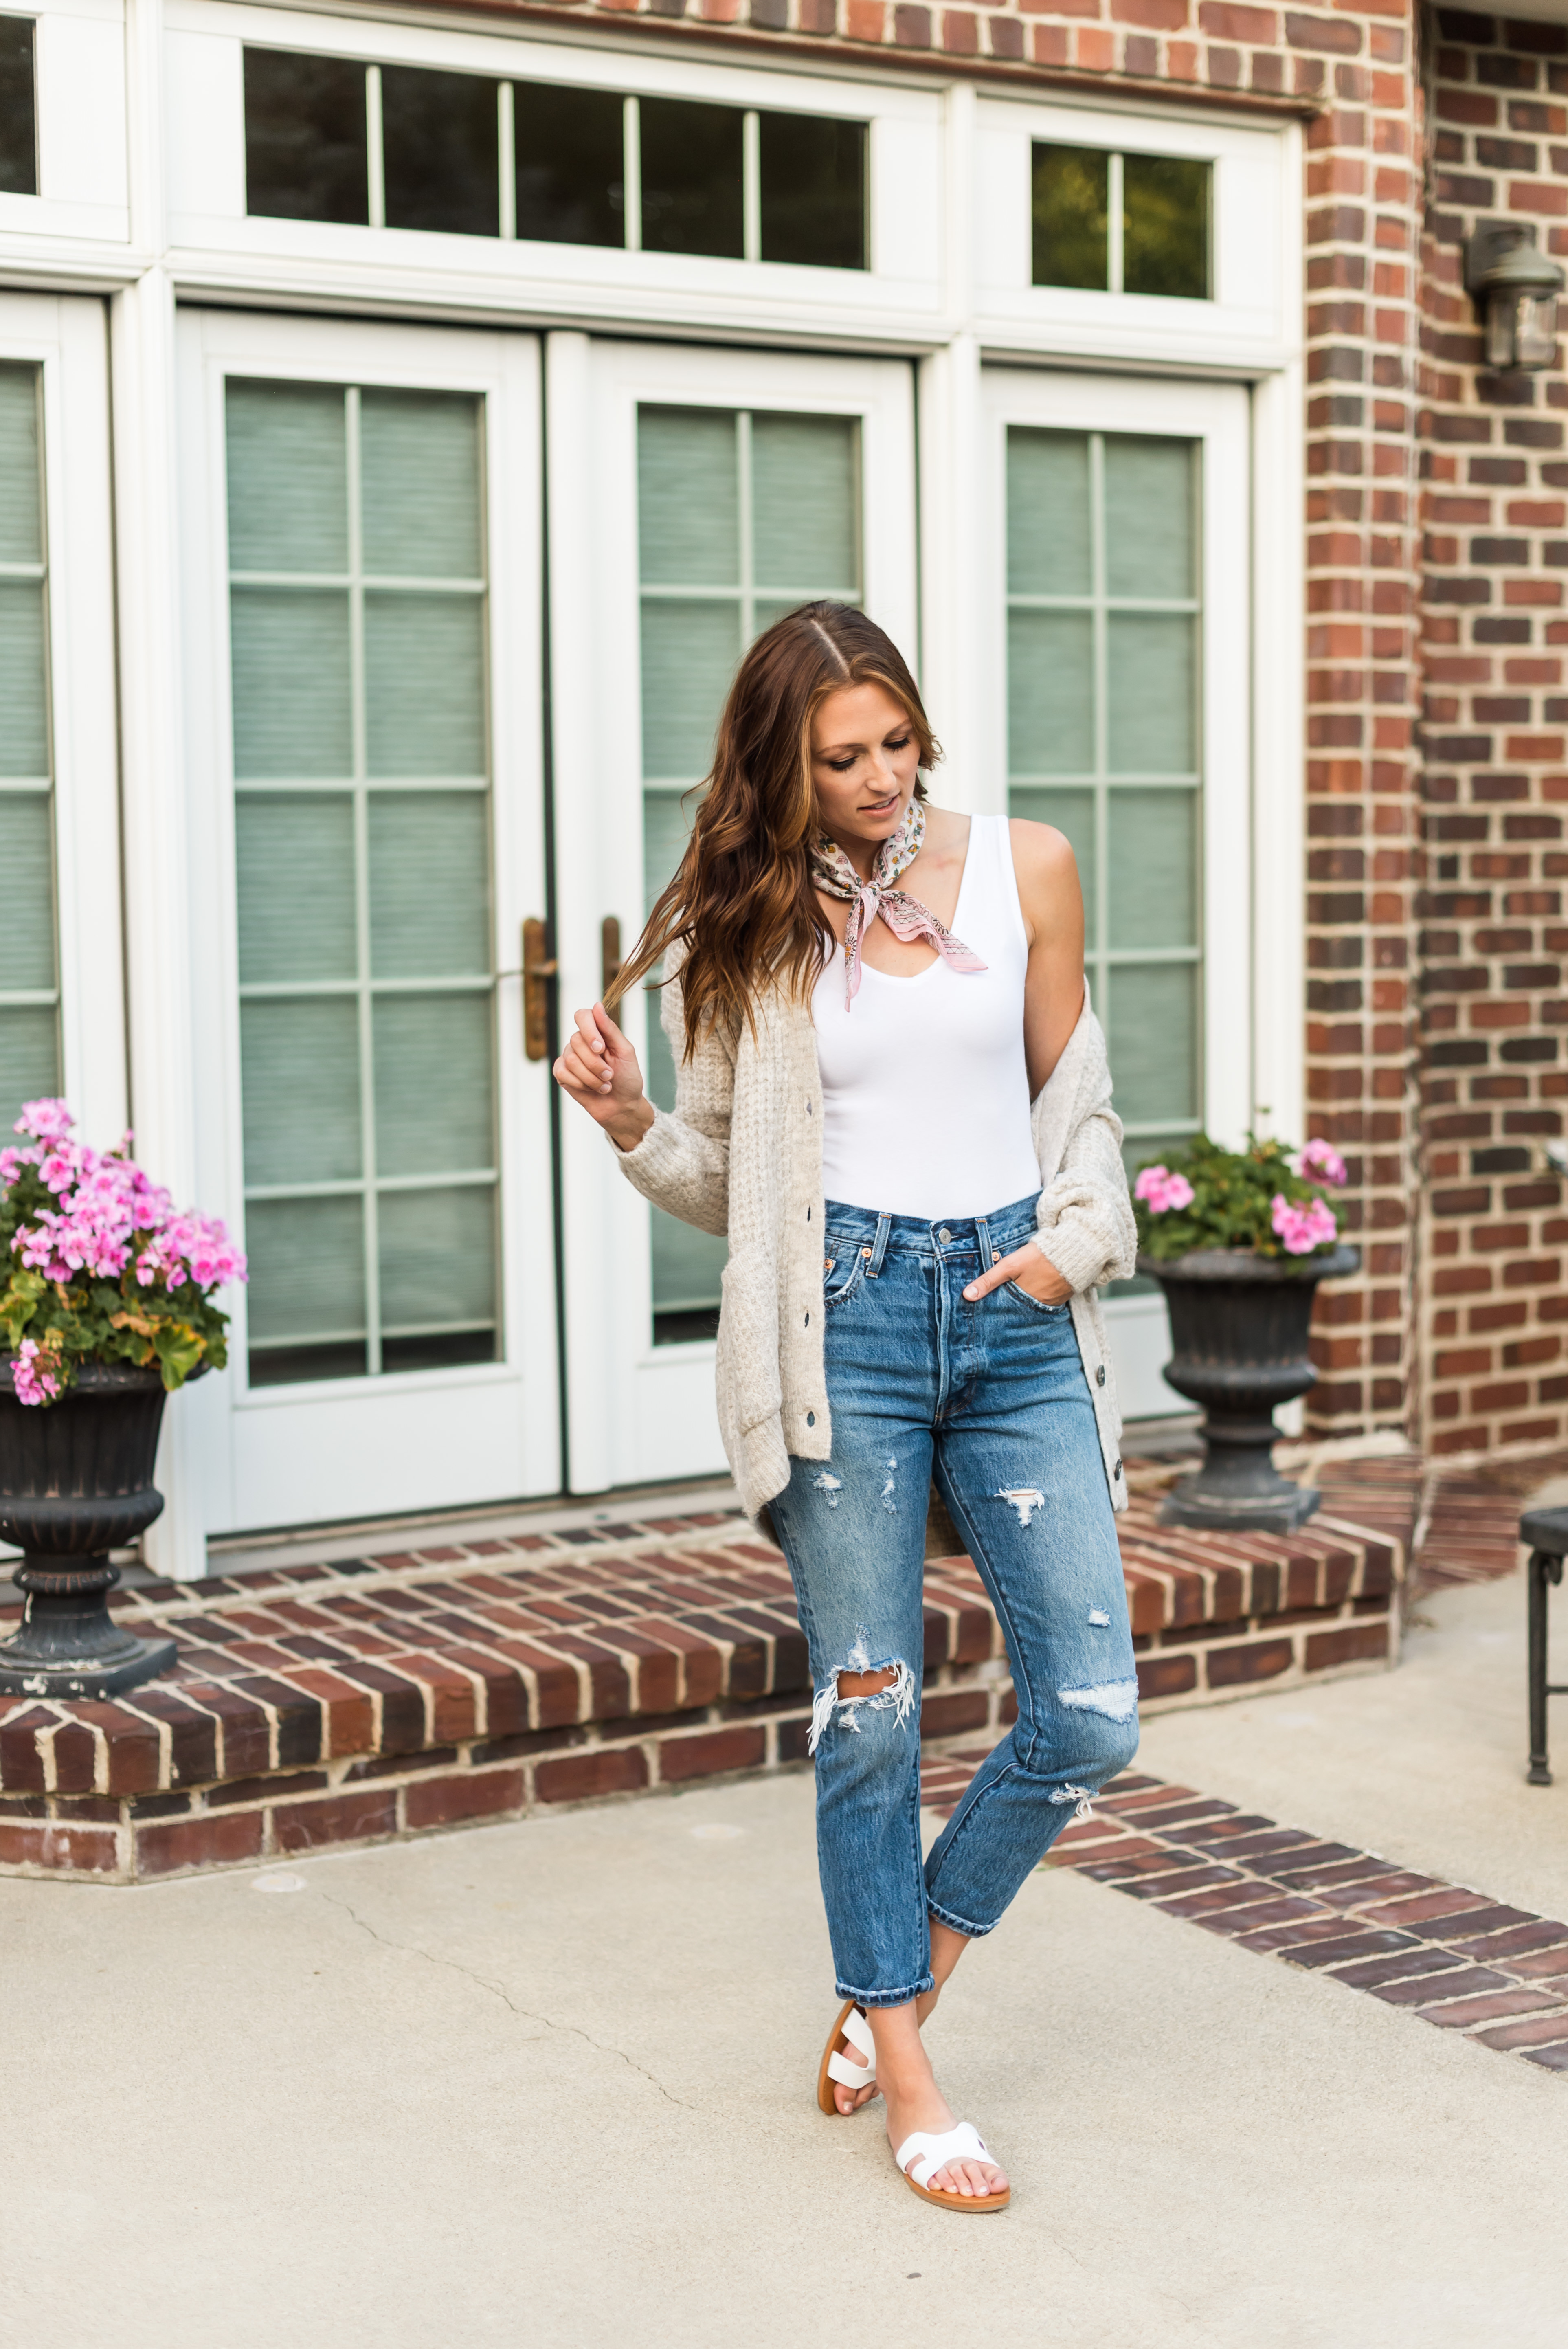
(550, 2083)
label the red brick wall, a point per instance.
(1495, 513)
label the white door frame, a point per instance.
(1215, 416)
(67, 336)
(410, 1440)
(637, 1413)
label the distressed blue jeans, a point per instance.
(992, 1398)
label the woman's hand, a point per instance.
(600, 1070)
(1031, 1268)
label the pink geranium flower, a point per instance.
(1302, 1228)
(1161, 1191)
(1320, 1162)
(32, 1384)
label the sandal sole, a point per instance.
(970, 2205)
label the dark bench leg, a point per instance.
(1544, 1570)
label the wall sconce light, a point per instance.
(1515, 286)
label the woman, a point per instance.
(892, 1096)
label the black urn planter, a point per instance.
(76, 1482)
(1239, 1325)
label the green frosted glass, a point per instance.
(300, 1058)
(1049, 539)
(1150, 704)
(429, 884)
(291, 669)
(425, 684)
(1050, 693)
(307, 1268)
(295, 857)
(805, 503)
(434, 1111)
(1165, 203)
(1073, 813)
(21, 520)
(288, 476)
(438, 1255)
(687, 1267)
(689, 652)
(1153, 853)
(419, 475)
(23, 687)
(1149, 518)
(29, 1057)
(1071, 216)
(1153, 1033)
(666, 827)
(688, 509)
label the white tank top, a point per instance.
(925, 1090)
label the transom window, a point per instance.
(406, 146)
(361, 819)
(1122, 223)
(742, 516)
(18, 108)
(1103, 623)
(29, 976)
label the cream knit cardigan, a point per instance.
(742, 1157)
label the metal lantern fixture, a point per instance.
(1516, 286)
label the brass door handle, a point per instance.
(538, 970)
(609, 956)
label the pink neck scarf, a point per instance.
(905, 916)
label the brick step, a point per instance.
(353, 1700)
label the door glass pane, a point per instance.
(1102, 686)
(1051, 692)
(812, 192)
(1071, 216)
(742, 516)
(1165, 203)
(365, 933)
(306, 146)
(296, 885)
(30, 985)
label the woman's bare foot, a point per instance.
(915, 2102)
(946, 1948)
(847, 2099)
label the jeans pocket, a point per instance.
(843, 1271)
(1034, 1304)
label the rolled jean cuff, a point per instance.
(884, 1997)
(956, 1924)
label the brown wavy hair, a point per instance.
(741, 904)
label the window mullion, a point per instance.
(506, 159)
(751, 185)
(362, 889)
(374, 159)
(631, 168)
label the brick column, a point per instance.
(1496, 556)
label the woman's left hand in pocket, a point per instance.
(1033, 1271)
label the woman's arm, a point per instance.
(1052, 904)
(680, 1162)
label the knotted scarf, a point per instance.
(905, 916)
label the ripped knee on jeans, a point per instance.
(880, 1688)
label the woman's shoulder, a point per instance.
(1041, 851)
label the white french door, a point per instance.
(1120, 705)
(362, 557)
(694, 496)
(62, 1011)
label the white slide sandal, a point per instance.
(961, 2143)
(850, 2026)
